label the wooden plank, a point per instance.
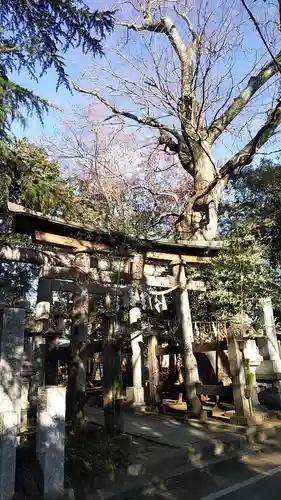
(210, 390)
(153, 370)
(33, 256)
(111, 277)
(59, 285)
(209, 346)
(106, 277)
(159, 281)
(95, 275)
(187, 259)
(91, 246)
(66, 241)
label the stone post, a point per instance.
(242, 408)
(191, 377)
(251, 353)
(51, 437)
(112, 376)
(11, 358)
(135, 394)
(24, 405)
(270, 368)
(269, 371)
(153, 370)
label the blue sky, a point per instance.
(79, 65)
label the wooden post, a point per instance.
(44, 300)
(191, 377)
(153, 370)
(79, 333)
(112, 377)
(51, 359)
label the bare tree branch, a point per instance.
(243, 157)
(142, 120)
(254, 84)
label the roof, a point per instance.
(27, 221)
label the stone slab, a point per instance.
(51, 436)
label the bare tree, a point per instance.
(132, 189)
(190, 75)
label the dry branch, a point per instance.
(240, 102)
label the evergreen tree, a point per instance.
(249, 267)
(34, 36)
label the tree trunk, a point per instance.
(202, 223)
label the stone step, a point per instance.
(140, 474)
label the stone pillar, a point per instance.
(24, 405)
(135, 394)
(251, 353)
(153, 370)
(191, 376)
(51, 437)
(242, 408)
(270, 368)
(11, 358)
(112, 376)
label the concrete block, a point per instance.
(8, 443)
(51, 437)
(64, 494)
(269, 369)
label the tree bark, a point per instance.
(201, 221)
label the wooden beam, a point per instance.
(210, 390)
(94, 275)
(186, 259)
(91, 246)
(59, 285)
(99, 277)
(66, 241)
(33, 256)
(209, 346)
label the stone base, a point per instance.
(246, 421)
(65, 494)
(269, 370)
(271, 397)
(135, 396)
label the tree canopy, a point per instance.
(34, 36)
(255, 200)
(249, 267)
(179, 76)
